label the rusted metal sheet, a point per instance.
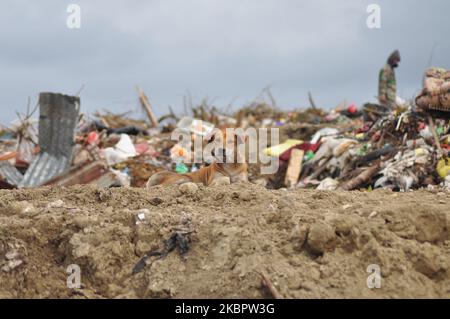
(10, 173)
(57, 122)
(82, 174)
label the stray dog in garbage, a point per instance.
(224, 165)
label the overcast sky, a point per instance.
(223, 49)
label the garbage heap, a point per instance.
(396, 151)
(435, 95)
(344, 148)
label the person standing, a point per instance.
(387, 85)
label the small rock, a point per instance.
(261, 182)
(56, 204)
(342, 224)
(373, 215)
(321, 238)
(245, 196)
(221, 181)
(156, 201)
(81, 250)
(12, 255)
(285, 202)
(142, 215)
(159, 289)
(188, 188)
(11, 265)
(23, 207)
(299, 235)
(83, 221)
(219, 196)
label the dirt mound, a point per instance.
(311, 244)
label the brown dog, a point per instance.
(236, 170)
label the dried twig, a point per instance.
(268, 283)
(311, 101)
(147, 107)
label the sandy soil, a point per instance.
(311, 244)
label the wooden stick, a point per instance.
(147, 107)
(268, 283)
(361, 179)
(311, 101)
(294, 168)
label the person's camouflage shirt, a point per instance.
(387, 85)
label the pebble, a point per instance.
(321, 238)
(221, 181)
(156, 201)
(11, 255)
(12, 264)
(245, 196)
(373, 215)
(188, 188)
(23, 207)
(56, 204)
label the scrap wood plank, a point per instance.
(294, 168)
(147, 107)
(81, 174)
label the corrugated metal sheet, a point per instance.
(43, 168)
(57, 121)
(10, 173)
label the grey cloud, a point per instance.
(223, 49)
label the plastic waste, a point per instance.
(352, 108)
(328, 184)
(123, 178)
(328, 131)
(122, 151)
(181, 168)
(309, 155)
(415, 143)
(92, 137)
(277, 150)
(426, 133)
(178, 154)
(443, 168)
(199, 127)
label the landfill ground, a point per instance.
(307, 243)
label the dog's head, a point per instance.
(226, 145)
